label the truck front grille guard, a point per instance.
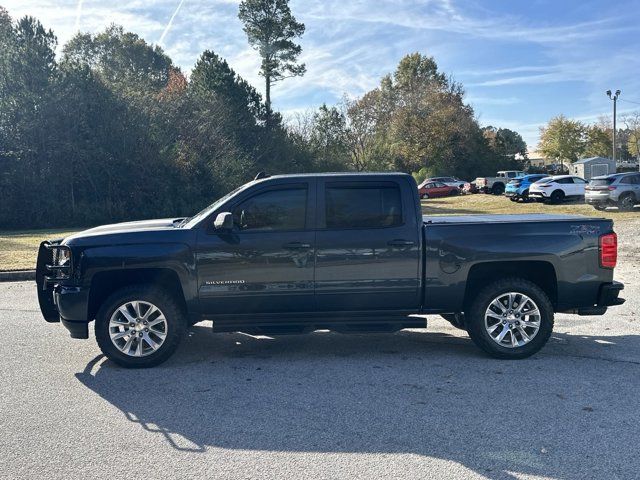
(49, 263)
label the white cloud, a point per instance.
(480, 100)
(78, 15)
(350, 45)
(442, 15)
(170, 24)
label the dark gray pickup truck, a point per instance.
(344, 252)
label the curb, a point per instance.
(17, 276)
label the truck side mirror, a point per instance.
(224, 221)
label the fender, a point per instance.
(177, 257)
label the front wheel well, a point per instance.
(104, 284)
(541, 273)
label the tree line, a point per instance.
(567, 140)
(112, 130)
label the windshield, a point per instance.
(190, 222)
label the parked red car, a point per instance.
(431, 189)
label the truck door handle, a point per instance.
(400, 243)
(296, 245)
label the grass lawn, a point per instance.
(483, 203)
(19, 249)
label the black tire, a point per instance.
(497, 188)
(600, 207)
(525, 196)
(626, 202)
(474, 318)
(557, 196)
(513, 198)
(455, 319)
(175, 318)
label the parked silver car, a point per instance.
(450, 181)
(620, 190)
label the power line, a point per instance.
(629, 101)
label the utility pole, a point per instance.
(615, 100)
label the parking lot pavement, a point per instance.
(416, 404)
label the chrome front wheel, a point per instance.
(512, 319)
(138, 328)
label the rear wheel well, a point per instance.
(541, 273)
(628, 194)
(104, 284)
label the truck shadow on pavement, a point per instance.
(568, 412)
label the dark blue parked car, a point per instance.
(518, 188)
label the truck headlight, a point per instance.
(63, 256)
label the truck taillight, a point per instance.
(608, 250)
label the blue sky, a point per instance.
(521, 62)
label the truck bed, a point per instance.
(506, 218)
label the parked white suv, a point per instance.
(558, 188)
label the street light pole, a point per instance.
(614, 97)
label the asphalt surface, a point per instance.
(416, 404)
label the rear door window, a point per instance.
(630, 180)
(564, 181)
(363, 206)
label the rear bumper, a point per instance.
(537, 194)
(597, 200)
(608, 296)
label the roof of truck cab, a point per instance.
(340, 174)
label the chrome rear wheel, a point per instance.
(512, 319)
